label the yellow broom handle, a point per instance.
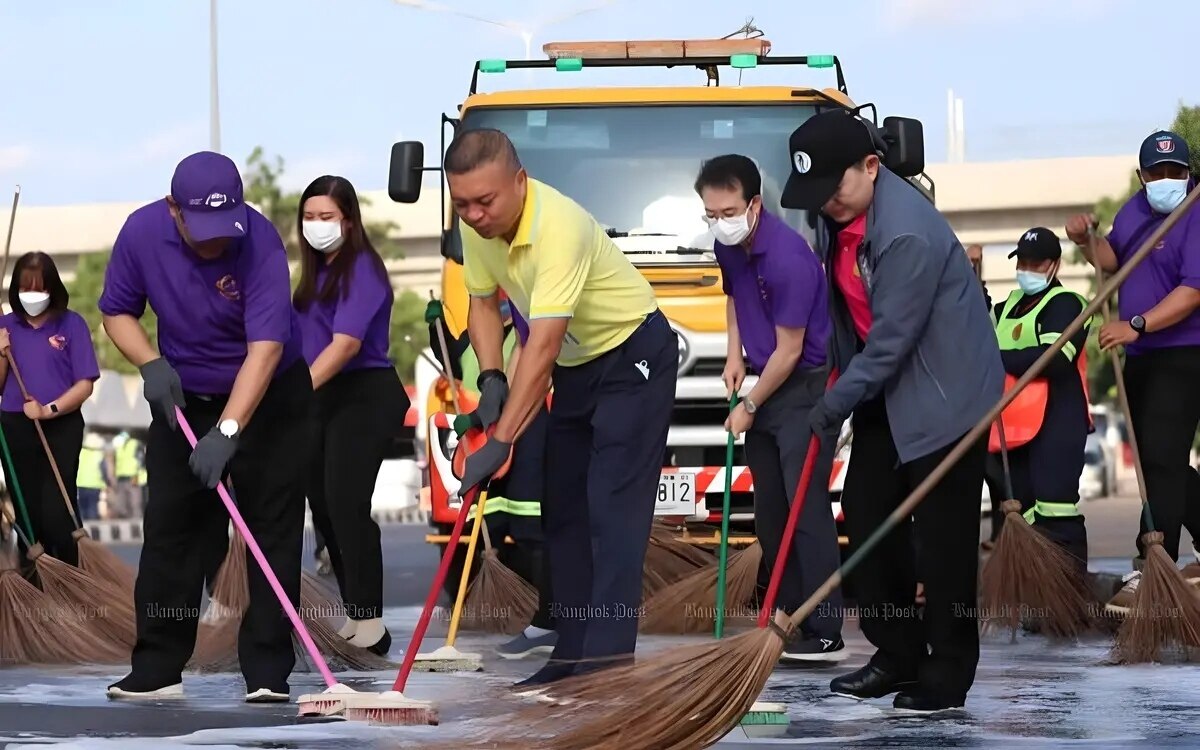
(466, 574)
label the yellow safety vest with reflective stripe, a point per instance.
(1014, 334)
(127, 463)
(90, 476)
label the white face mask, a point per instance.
(730, 231)
(35, 303)
(324, 236)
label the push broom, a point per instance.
(1027, 572)
(691, 697)
(1166, 608)
(94, 558)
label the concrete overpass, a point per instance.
(990, 203)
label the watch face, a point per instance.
(229, 428)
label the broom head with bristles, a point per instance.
(317, 604)
(498, 599)
(689, 605)
(102, 564)
(663, 566)
(217, 637)
(1029, 578)
(98, 605)
(216, 648)
(1166, 610)
(34, 629)
(232, 587)
(663, 536)
(679, 699)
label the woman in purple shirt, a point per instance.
(344, 301)
(52, 347)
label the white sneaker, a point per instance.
(266, 695)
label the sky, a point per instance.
(102, 99)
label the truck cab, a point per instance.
(630, 155)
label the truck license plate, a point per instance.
(676, 494)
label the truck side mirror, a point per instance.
(405, 171)
(905, 138)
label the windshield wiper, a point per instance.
(681, 250)
(613, 232)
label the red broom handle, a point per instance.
(789, 531)
(410, 653)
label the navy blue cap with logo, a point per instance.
(1164, 147)
(208, 190)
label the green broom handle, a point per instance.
(905, 509)
(724, 550)
(16, 486)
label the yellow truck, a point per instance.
(629, 154)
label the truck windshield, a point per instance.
(633, 167)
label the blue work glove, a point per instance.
(483, 464)
(823, 421)
(493, 392)
(211, 457)
(162, 389)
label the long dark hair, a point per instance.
(354, 243)
(37, 265)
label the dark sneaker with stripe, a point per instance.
(815, 650)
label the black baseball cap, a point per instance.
(1163, 147)
(1038, 243)
(821, 150)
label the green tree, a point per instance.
(85, 292)
(409, 333)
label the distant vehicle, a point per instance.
(1099, 478)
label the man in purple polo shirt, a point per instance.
(215, 273)
(1159, 326)
(777, 311)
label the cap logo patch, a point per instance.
(1030, 236)
(802, 161)
(1166, 145)
(238, 226)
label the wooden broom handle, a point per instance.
(968, 441)
(12, 363)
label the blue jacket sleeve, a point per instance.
(905, 283)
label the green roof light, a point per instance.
(492, 66)
(568, 64)
(744, 61)
(820, 61)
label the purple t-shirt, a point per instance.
(780, 282)
(207, 309)
(1175, 262)
(51, 358)
(365, 313)
(519, 324)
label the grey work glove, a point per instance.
(493, 392)
(162, 389)
(483, 464)
(211, 457)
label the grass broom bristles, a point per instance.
(663, 566)
(1166, 610)
(1030, 578)
(99, 606)
(317, 604)
(217, 638)
(498, 599)
(689, 605)
(34, 629)
(232, 587)
(102, 564)
(662, 535)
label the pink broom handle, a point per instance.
(313, 651)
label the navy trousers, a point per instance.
(607, 442)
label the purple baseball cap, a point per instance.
(208, 189)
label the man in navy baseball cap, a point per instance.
(1164, 147)
(206, 198)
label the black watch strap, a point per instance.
(54, 408)
(487, 375)
(1138, 323)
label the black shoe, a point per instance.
(919, 702)
(383, 645)
(552, 672)
(815, 650)
(870, 682)
(134, 686)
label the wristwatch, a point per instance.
(750, 407)
(229, 428)
(1138, 323)
(53, 407)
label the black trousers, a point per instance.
(357, 414)
(776, 448)
(48, 514)
(1164, 403)
(526, 481)
(941, 648)
(185, 522)
(608, 436)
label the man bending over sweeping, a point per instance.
(919, 367)
(215, 273)
(594, 325)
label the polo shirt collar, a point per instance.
(762, 233)
(529, 210)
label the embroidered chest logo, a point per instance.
(228, 287)
(58, 341)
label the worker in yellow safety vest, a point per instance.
(89, 481)
(513, 505)
(127, 497)
(1047, 425)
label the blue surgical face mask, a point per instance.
(1165, 195)
(1032, 282)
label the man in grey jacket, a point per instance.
(919, 367)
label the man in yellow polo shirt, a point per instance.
(595, 327)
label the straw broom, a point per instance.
(669, 560)
(1027, 572)
(691, 697)
(94, 558)
(1166, 608)
(217, 637)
